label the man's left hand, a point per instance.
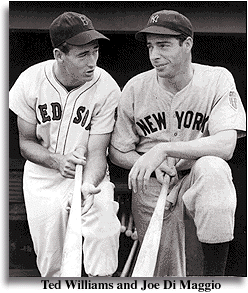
(88, 191)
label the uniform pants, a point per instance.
(209, 197)
(47, 195)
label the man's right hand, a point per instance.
(67, 163)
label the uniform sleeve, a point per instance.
(228, 111)
(103, 118)
(19, 101)
(125, 137)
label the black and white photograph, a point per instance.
(127, 145)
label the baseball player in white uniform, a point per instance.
(63, 105)
(189, 114)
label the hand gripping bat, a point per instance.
(72, 251)
(147, 257)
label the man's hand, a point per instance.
(67, 163)
(162, 170)
(141, 171)
(88, 191)
(165, 168)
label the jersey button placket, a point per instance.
(174, 130)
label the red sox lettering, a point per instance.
(54, 113)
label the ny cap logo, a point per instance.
(84, 20)
(154, 18)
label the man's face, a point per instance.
(80, 62)
(166, 55)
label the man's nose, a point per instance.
(92, 60)
(154, 53)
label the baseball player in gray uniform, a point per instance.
(63, 105)
(183, 119)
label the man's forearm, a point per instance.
(36, 153)
(221, 145)
(123, 160)
(95, 169)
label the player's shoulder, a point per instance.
(36, 70)
(106, 78)
(141, 79)
(214, 71)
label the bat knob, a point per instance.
(123, 229)
(128, 233)
(134, 236)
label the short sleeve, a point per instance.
(228, 111)
(19, 101)
(103, 118)
(125, 137)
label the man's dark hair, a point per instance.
(180, 38)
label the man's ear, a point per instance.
(188, 43)
(58, 55)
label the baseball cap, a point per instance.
(74, 28)
(166, 22)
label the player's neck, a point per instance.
(65, 79)
(176, 83)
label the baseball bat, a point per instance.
(72, 251)
(134, 235)
(123, 222)
(129, 259)
(130, 226)
(147, 257)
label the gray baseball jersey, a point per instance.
(148, 114)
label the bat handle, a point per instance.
(79, 168)
(77, 184)
(123, 222)
(165, 184)
(130, 226)
(130, 258)
(79, 173)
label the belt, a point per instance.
(182, 173)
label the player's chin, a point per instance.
(88, 77)
(163, 74)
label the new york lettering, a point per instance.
(56, 113)
(189, 119)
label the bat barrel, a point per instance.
(147, 257)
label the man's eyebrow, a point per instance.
(160, 42)
(87, 51)
(82, 53)
(96, 46)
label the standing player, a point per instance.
(182, 119)
(63, 105)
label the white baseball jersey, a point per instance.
(148, 114)
(64, 120)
